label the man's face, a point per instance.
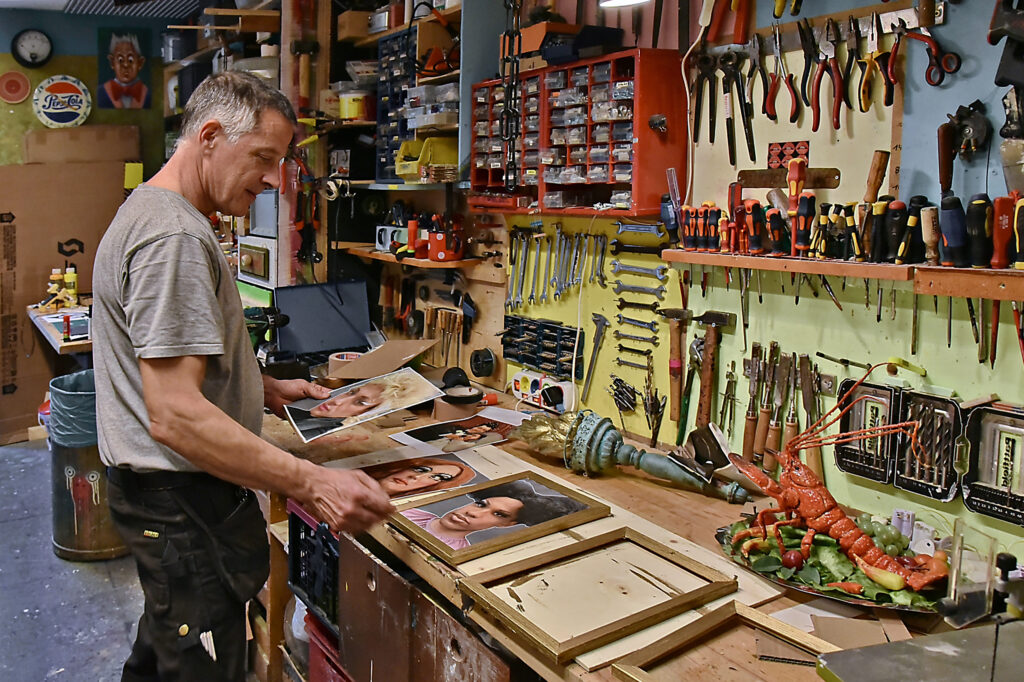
(125, 62)
(350, 404)
(236, 172)
(492, 512)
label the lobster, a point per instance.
(806, 502)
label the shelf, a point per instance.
(279, 531)
(442, 78)
(452, 16)
(203, 55)
(365, 250)
(1002, 285)
(897, 273)
(408, 186)
(433, 130)
(249, 21)
(357, 124)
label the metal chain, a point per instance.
(510, 116)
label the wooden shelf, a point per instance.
(433, 130)
(442, 78)
(1002, 285)
(357, 124)
(365, 250)
(408, 186)
(452, 16)
(279, 531)
(897, 273)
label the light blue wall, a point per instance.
(74, 34)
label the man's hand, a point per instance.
(347, 501)
(278, 393)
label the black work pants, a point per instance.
(200, 546)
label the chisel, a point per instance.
(753, 388)
(773, 439)
(765, 411)
(812, 456)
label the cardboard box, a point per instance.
(84, 143)
(353, 24)
(51, 215)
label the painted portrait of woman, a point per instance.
(420, 475)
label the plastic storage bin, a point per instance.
(313, 565)
(433, 151)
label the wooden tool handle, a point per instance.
(946, 156)
(930, 233)
(788, 433)
(773, 440)
(764, 416)
(675, 368)
(812, 457)
(749, 431)
(304, 76)
(707, 376)
(769, 463)
(879, 162)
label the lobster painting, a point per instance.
(805, 501)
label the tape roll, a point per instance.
(462, 395)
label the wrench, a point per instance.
(512, 272)
(660, 272)
(626, 363)
(632, 337)
(637, 228)
(547, 272)
(536, 268)
(601, 324)
(618, 247)
(636, 305)
(636, 351)
(600, 263)
(524, 250)
(593, 260)
(652, 326)
(651, 291)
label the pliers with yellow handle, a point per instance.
(875, 61)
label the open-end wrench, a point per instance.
(635, 351)
(632, 289)
(652, 326)
(619, 247)
(558, 260)
(659, 272)
(657, 229)
(600, 261)
(536, 268)
(547, 272)
(524, 250)
(601, 324)
(512, 271)
(593, 260)
(626, 363)
(619, 336)
(636, 305)
(556, 281)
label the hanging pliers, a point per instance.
(874, 60)
(732, 89)
(828, 61)
(756, 67)
(707, 66)
(852, 56)
(939, 62)
(810, 48)
(778, 77)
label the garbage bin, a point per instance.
(82, 527)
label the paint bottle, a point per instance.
(56, 282)
(71, 285)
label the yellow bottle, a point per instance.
(71, 285)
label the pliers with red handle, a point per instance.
(939, 62)
(827, 61)
(777, 78)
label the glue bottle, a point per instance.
(71, 285)
(56, 282)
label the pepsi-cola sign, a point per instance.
(62, 102)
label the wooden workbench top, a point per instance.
(730, 655)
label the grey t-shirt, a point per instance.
(162, 288)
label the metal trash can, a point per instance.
(82, 527)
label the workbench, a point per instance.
(53, 336)
(730, 655)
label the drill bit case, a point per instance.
(931, 472)
(543, 345)
(871, 458)
(994, 482)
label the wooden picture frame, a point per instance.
(593, 509)
(477, 587)
(632, 668)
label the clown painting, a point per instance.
(124, 80)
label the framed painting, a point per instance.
(466, 523)
(582, 596)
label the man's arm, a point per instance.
(181, 418)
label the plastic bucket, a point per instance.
(82, 527)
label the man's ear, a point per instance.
(210, 133)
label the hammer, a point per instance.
(713, 321)
(304, 49)
(678, 320)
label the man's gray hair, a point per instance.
(236, 100)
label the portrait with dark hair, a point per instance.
(471, 522)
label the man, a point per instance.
(125, 90)
(178, 393)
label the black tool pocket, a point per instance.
(244, 550)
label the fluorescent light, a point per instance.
(612, 4)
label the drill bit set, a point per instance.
(543, 345)
(994, 481)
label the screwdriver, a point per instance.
(878, 233)
(755, 226)
(953, 224)
(979, 230)
(688, 227)
(804, 223)
(895, 226)
(701, 233)
(818, 236)
(1002, 231)
(911, 248)
(670, 218)
(776, 229)
(796, 177)
(930, 237)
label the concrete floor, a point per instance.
(62, 620)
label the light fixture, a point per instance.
(613, 4)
